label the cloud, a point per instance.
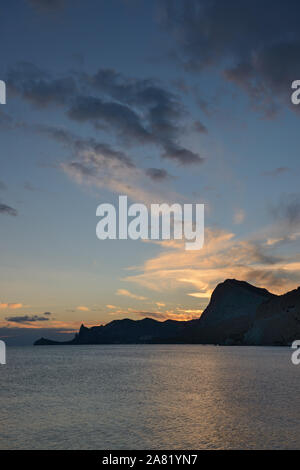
(30, 187)
(126, 293)
(8, 210)
(200, 295)
(160, 111)
(6, 121)
(38, 86)
(277, 171)
(157, 174)
(223, 256)
(26, 319)
(102, 152)
(95, 170)
(199, 127)
(82, 308)
(97, 164)
(11, 306)
(2, 186)
(287, 211)
(239, 216)
(232, 37)
(287, 238)
(136, 111)
(179, 315)
(122, 118)
(181, 155)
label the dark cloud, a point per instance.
(258, 255)
(47, 5)
(255, 43)
(30, 187)
(137, 111)
(146, 93)
(160, 112)
(92, 156)
(38, 87)
(4, 209)
(56, 133)
(199, 127)
(6, 121)
(29, 318)
(275, 278)
(89, 151)
(91, 161)
(277, 171)
(182, 155)
(288, 210)
(157, 174)
(121, 117)
(26, 319)
(80, 169)
(181, 85)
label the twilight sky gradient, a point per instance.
(165, 101)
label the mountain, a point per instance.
(128, 331)
(238, 314)
(230, 312)
(277, 321)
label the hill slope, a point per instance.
(276, 322)
(231, 312)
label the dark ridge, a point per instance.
(238, 314)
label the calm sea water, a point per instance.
(149, 397)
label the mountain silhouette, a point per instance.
(230, 312)
(238, 314)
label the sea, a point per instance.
(149, 397)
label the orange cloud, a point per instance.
(223, 256)
(200, 295)
(126, 293)
(179, 315)
(11, 306)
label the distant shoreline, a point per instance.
(238, 314)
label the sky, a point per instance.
(163, 101)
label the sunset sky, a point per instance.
(185, 102)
